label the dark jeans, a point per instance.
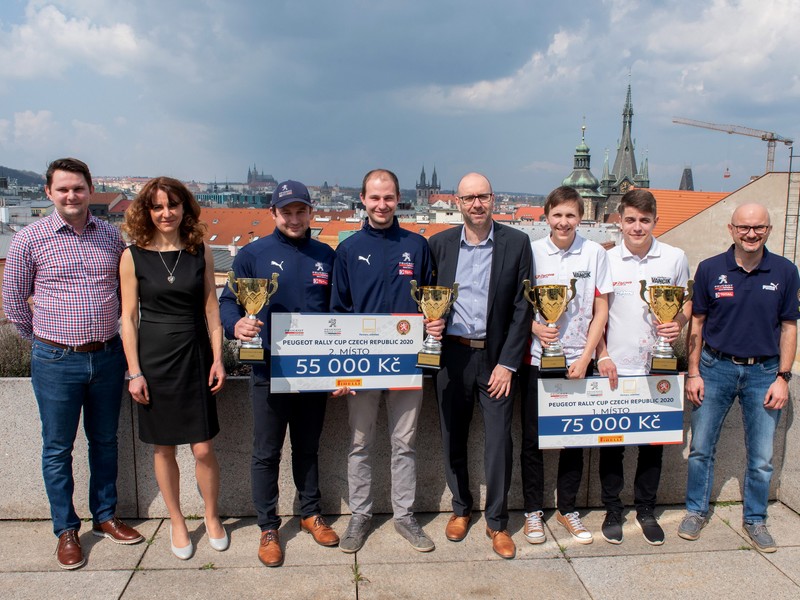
(531, 458)
(645, 483)
(304, 415)
(66, 383)
(570, 460)
(464, 379)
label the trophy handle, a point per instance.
(572, 283)
(689, 292)
(642, 292)
(232, 285)
(453, 298)
(415, 293)
(272, 287)
(526, 293)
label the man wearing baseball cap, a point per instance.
(304, 268)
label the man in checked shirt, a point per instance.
(68, 263)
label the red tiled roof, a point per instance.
(529, 213)
(232, 222)
(121, 206)
(105, 197)
(426, 230)
(678, 206)
(503, 217)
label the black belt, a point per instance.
(472, 343)
(88, 347)
(737, 360)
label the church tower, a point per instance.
(624, 176)
(585, 182)
(425, 189)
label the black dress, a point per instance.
(174, 349)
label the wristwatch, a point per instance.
(786, 375)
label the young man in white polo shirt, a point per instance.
(627, 348)
(558, 258)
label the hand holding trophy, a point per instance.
(252, 294)
(666, 301)
(434, 302)
(550, 301)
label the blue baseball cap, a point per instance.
(290, 191)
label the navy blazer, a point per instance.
(508, 314)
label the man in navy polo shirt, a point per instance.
(742, 343)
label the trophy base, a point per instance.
(664, 366)
(429, 361)
(251, 356)
(553, 366)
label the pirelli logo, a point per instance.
(610, 439)
(353, 382)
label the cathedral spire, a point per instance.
(625, 162)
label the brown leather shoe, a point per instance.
(502, 543)
(269, 549)
(69, 553)
(117, 532)
(457, 528)
(319, 530)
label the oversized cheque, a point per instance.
(321, 352)
(587, 412)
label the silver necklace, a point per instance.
(171, 277)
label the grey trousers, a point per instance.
(402, 407)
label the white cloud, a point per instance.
(89, 132)
(33, 127)
(544, 70)
(49, 43)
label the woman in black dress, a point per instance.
(172, 336)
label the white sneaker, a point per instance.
(534, 528)
(572, 523)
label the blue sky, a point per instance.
(326, 90)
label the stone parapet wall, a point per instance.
(24, 495)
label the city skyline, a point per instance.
(318, 92)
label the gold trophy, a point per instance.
(434, 301)
(252, 294)
(550, 301)
(666, 301)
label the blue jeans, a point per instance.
(724, 381)
(66, 382)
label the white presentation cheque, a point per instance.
(587, 412)
(321, 352)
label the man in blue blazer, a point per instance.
(484, 341)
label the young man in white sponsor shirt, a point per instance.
(627, 348)
(559, 258)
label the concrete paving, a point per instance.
(721, 564)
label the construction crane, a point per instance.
(766, 136)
